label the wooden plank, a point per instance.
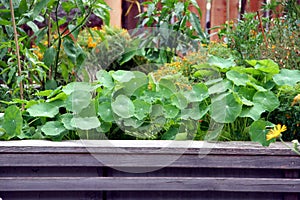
(149, 184)
(149, 160)
(222, 11)
(72, 195)
(144, 146)
(191, 195)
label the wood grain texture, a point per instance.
(149, 184)
(114, 170)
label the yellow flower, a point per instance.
(276, 132)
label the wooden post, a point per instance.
(202, 4)
(116, 12)
(254, 5)
(222, 11)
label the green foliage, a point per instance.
(119, 104)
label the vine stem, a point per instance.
(285, 144)
(262, 29)
(12, 12)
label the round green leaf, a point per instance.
(12, 122)
(237, 78)
(142, 109)
(53, 128)
(198, 93)
(77, 86)
(179, 101)
(226, 108)
(258, 132)
(43, 110)
(105, 112)
(78, 100)
(66, 120)
(268, 66)
(105, 79)
(170, 111)
(123, 76)
(85, 123)
(221, 62)
(267, 100)
(253, 112)
(123, 106)
(287, 77)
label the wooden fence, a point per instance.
(214, 12)
(46, 170)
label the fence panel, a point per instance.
(67, 170)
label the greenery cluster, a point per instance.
(164, 82)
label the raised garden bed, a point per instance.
(147, 170)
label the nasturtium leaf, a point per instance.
(105, 112)
(142, 109)
(89, 111)
(157, 110)
(166, 88)
(268, 66)
(85, 123)
(77, 86)
(170, 111)
(220, 87)
(258, 132)
(257, 87)
(61, 96)
(196, 112)
(246, 101)
(66, 120)
(78, 100)
(179, 100)
(123, 106)
(104, 127)
(221, 62)
(181, 136)
(105, 79)
(251, 62)
(123, 76)
(132, 122)
(237, 78)
(254, 112)
(267, 100)
(53, 128)
(226, 108)
(43, 110)
(12, 122)
(247, 93)
(287, 77)
(44, 93)
(198, 93)
(170, 134)
(135, 86)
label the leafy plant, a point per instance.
(120, 104)
(170, 20)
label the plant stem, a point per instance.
(262, 29)
(49, 42)
(59, 43)
(294, 150)
(17, 50)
